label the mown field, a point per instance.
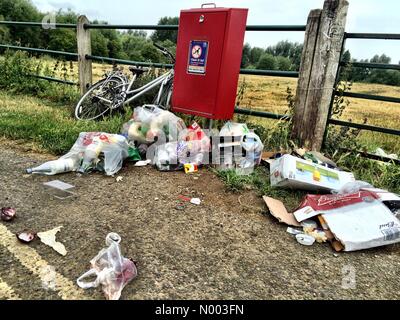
(270, 93)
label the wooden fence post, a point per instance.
(84, 48)
(307, 59)
(317, 81)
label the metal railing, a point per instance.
(365, 65)
(74, 56)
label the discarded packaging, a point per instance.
(191, 168)
(142, 163)
(195, 201)
(293, 231)
(111, 269)
(305, 239)
(239, 148)
(56, 167)
(26, 236)
(278, 210)
(59, 189)
(359, 220)
(293, 172)
(101, 151)
(49, 238)
(253, 148)
(91, 151)
(166, 157)
(149, 123)
(8, 214)
(353, 187)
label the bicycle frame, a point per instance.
(163, 80)
(136, 93)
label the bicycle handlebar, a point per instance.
(165, 51)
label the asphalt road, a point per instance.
(220, 249)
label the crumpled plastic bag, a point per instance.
(91, 145)
(247, 146)
(194, 146)
(353, 187)
(150, 123)
(111, 269)
(166, 157)
(253, 146)
(234, 129)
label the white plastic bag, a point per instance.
(150, 123)
(166, 157)
(111, 269)
(253, 147)
(353, 187)
(234, 129)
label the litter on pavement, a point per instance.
(26, 236)
(349, 221)
(49, 239)
(59, 189)
(8, 214)
(112, 271)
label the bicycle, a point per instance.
(115, 91)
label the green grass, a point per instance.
(47, 124)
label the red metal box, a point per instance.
(208, 57)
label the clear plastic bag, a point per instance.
(90, 145)
(234, 129)
(194, 146)
(253, 147)
(353, 187)
(111, 269)
(84, 155)
(150, 123)
(166, 157)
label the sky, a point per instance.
(380, 16)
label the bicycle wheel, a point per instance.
(165, 98)
(102, 97)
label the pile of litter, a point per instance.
(349, 214)
(353, 216)
(157, 136)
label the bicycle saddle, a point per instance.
(138, 71)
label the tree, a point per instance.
(246, 55)
(99, 44)
(255, 55)
(267, 62)
(21, 10)
(162, 35)
(283, 63)
(346, 57)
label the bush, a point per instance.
(18, 70)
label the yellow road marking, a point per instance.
(31, 260)
(6, 292)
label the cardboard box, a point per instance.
(292, 172)
(358, 221)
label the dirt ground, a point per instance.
(222, 249)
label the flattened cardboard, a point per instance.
(278, 210)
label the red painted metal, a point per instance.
(208, 57)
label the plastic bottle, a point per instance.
(55, 167)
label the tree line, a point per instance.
(138, 45)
